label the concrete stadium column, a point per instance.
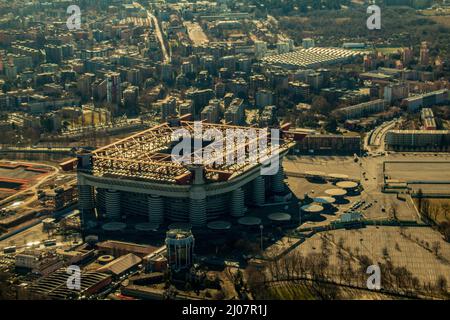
(258, 193)
(197, 206)
(86, 200)
(278, 180)
(155, 209)
(112, 204)
(237, 203)
(86, 203)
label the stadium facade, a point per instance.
(136, 179)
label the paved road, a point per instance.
(375, 142)
(159, 35)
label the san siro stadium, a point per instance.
(135, 180)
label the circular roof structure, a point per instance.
(347, 184)
(279, 216)
(114, 226)
(338, 176)
(315, 173)
(105, 259)
(180, 226)
(312, 208)
(336, 192)
(146, 226)
(249, 221)
(324, 200)
(219, 225)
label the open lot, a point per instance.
(326, 164)
(196, 33)
(379, 200)
(367, 170)
(418, 171)
(16, 177)
(412, 249)
(18, 173)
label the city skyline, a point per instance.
(224, 150)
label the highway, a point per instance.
(374, 141)
(158, 32)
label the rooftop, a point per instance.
(147, 155)
(311, 57)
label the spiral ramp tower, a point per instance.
(197, 206)
(85, 197)
(258, 194)
(197, 198)
(237, 203)
(278, 181)
(216, 206)
(197, 212)
(112, 204)
(155, 209)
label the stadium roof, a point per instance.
(146, 156)
(122, 264)
(311, 57)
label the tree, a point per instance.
(441, 284)
(256, 279)
(419, 199)
(321, 105)
(331, 125)
(436, 248)
(446, 232)
(385, 253)
(393, 212)
(170, 293)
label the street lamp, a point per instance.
(261, 227)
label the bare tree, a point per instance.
(441, 284)
(425, 210)
(256, 279)
(436, 247)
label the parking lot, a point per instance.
(367, 170)
(426, 170)
(410, 248)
